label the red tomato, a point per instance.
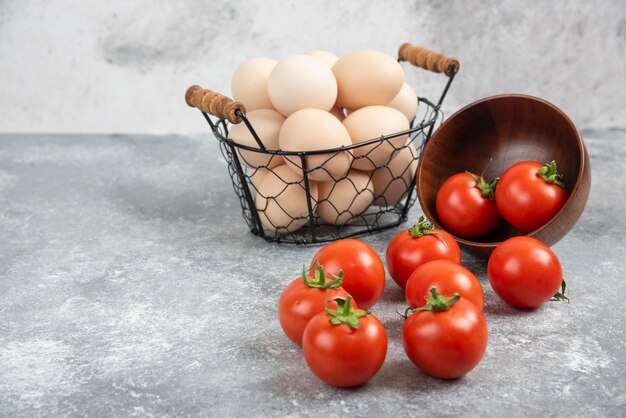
(304, 298)
(524, 272)
(447, 341)
(413, 247)
(447, 277)
(465, 205)
(344, 347)
(363, 270)
(529, 194)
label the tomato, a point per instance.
(418, 245)
(447, 277)
(465, 205)
(344, 347)
(529, 194)
(448, 340)
(304, 298)
(363, 270)
(524, 272)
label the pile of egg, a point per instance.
(315, 102)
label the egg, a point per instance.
(392, 182)
(342, 201)
(372, 122)
(337, 112)
(256, 176)
(301, 82)
(405, 101)
(281, 200)
(315, 130)
(266, 124)
(367, 78)
(328, 58)
(249, 83)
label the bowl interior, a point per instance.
(489, 136)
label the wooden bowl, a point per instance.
(492, 134)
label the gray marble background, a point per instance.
(130, 286)
(123, 66)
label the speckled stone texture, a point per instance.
(129, 285)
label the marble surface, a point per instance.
(129, 286)
(64, 65)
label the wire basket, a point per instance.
(375, 194)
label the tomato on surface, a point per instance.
(304, 298)
(525, 272)
(529, 194)
(465, 205)
(344, 347)
(447, 340)
(447, 277)
(363, 270)
(418, 245)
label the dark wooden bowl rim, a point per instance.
(581, 167)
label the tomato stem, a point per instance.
(436, 302)
(487, 189)
(345, 313)
(560, 296)
(425, 227)
(550, 174)
(319, 280)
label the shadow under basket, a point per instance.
(375, 194)
(494, 133)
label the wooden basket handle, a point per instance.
(428, 59)
(214, 104)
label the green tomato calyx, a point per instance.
(560, 296)
(345, 313)
(425, 227)
(435, 303)
(487, 189)
(550, 174)
(319, 280)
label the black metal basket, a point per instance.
(366, 209)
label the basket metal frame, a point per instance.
(219, 127)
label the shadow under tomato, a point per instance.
(402, 375)
(498, 307)
(393, 293)
(476, 265)
(396, 375)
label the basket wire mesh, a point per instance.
(374, 195)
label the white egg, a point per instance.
(301, 82)
(266, 124)
(345, 200)
(281, 200)
(249, 83)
